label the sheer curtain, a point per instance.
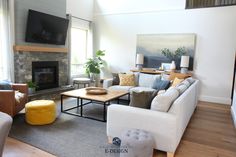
(6, 40)
(80, 37)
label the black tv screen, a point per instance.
(45, 28)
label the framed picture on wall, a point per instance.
(152, 46)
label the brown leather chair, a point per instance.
(8, 103)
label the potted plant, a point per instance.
(31, 87)
(174, 56)
(93, 66)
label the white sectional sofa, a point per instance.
(166, 127)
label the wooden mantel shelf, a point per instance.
(27, 48)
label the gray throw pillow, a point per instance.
(164, 101)
(5, 85)
(186, 82)
(190, 80)
(116, 80)
(141, 99)
(181, 88)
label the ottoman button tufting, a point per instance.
(139, 143)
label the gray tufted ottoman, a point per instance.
(139, 143)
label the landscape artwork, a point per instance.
(164, 48)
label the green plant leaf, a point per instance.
(94, 65)
(100, 53)
(32, 84)
(173, 55)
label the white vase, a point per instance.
(172, 66)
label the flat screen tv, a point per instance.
(45, 28)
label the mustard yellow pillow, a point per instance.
(176, 82)
(127, 79)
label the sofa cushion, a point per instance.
(164, 101)
(127, 79)
(5, 85)
(160, 84)
(141, 99)
(147, 80)
(140, 89)
(118, 87)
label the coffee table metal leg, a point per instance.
(61, 103)
(77, 105)
(81, 107)
(104, 111)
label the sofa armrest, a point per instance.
(107, 83)
(7, 101)
(162, 125)
(23, 88)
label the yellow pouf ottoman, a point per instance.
(40, 112)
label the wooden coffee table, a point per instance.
(81, 95)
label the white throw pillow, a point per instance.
(19, 96)
(147, 80)
(164, 101)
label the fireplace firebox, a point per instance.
(45, 74)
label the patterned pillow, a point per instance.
(127, 79)
(176, 82)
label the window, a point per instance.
(80, 46)
(78, 50)
(6, 40)
(190, 4)
(1, 66)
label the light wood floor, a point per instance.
(14, 148)
(210, 133)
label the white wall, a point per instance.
(80, 8)
(118, 25)
(112, 6)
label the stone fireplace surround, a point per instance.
(23, 65)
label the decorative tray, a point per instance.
(95, 90)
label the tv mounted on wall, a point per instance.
(45, 28)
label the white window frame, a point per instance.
(82, 25)
(86, 54)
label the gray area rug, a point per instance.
(68, 136)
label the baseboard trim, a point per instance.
(233, 113)
(220, 100)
